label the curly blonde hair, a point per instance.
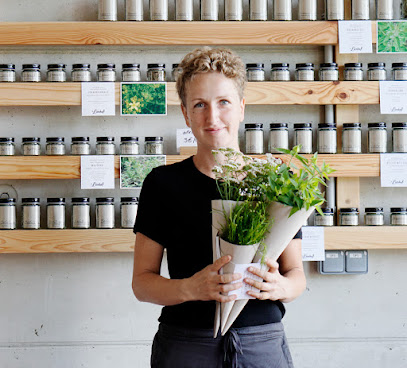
(205, 60)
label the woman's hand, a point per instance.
(208, 284)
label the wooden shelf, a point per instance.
(257, 93)
(169, 33)
(68, 167)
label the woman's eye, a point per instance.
(224, 102)
(199, 104)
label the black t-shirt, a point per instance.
(175, 211)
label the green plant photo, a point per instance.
(392, 37)
(143, 98)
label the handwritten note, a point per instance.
(97, 172)
(393, 97)
(185, 138)
(241, 293)
(393, 169)
(355, 37)
(98, 99)
(313, 243)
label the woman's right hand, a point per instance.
(208, 284)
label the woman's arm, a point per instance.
(149, 286)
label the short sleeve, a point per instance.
(298, 235)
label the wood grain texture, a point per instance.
(66, 241)
(347, 193)
(169, 33)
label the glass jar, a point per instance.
(282, 10)
(327, 219)
(56, 213)
(255, 72)
(184, 10)
(326, 138)
(384, 10)
(7, 212)
(303, 137)
(399, 71)
(335, 9)
(154, 145)
(106, 73)
(31, 146)
(176, 72)
(328, 72)
(209, 10)
(81, 73)
(304, 72)
(7, 147)
(107, 10)
(80, 213)
(105, 146)
(129, 146)
(398, 216)
(399, 137)
(352, 138)
(159, 10)
(55, 146)
(7, 73)
(374, 216)
(278, 137)
(377, 137)
(31, 218)
(105, 213)
(134, 10)
(31, 73)
(280, 72)
(360, 9)
(307, 9)
(233, 10)
(376, 72)
(353, 72)
(258, 10)
(80, 146)
(128, 211)
(156, 72)
(349, 216)
(403, 9)
(56, 73)
(254, 138)
(131, 73)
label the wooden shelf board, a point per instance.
(169, 33)
(257, 93)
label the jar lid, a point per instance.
(353, 65)
(302, 125)
(106, 66)
(399, 125)
(7, 200)
(105, 139)
(80, 139)
(155, 66)
(376, 125)
(352, 125)
(80, 200)
(374, 209)
(80, 66)
(175, 66)
(56, 139)
(399, 65)
(129, 199)
(280, 65)
(255, 65)
(131, 66)
(398, 209)
(325, 125)
(30, 200)
(349, 210)
(56, 66)
(7, 66)
(56, 200)
(152, 139)
(254, 126)
(129, 139)
(304, 65)
(31, 66)
(327, 210)
(31, 139)
(376, 65)
(105, 199)
(278, 125)
(6, 139)
(328, 65)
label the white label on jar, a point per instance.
(31, 217)
(53, 149)
(304, 138)
(360, 9)
(400, 74)
(80, 216)
(233, 10)
(254, 141)
(282, 10)
(398, 219)
(80, 149)
(30, 76)
(349, 219)
(327, 141)
(384, 9)
(209, 10)
(81, 76)
(134, 10)
(400, 140)
(335, 9)
(377, 141)
(280, 75)
(278, 139)
(105, 149)
(7, 217)
(304, 75)
(129, 149)
(56, 76)
(326, 220)
(353, 75)
(352, 141)
(255, 75)
(376, 75)
(307, 10)
(184, 10)
(159, 9)
(105, 216)
(31, 149)
(6, 149)
(7, 76)
(56, 216)
(131, 76)
(108, 10)
(329, 75)
(258, 9)
(374, 219)
(128, 215)
(106, 75)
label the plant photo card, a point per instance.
(143, 98)
(134, 169)
(392, 37)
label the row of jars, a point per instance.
(55, 146)
(82, 73)
(327, 72)
(233, 10)
(374, 216)
(326, 138)
(56, 208)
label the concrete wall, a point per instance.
(77, 310)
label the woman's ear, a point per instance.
(242, 107)
(184, 112)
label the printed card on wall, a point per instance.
(393, 97)
(393, 169)
(313, 243)
(143, 98)
(355, 36)
(392, 37)
(98, 99)
(97, 172)
(185, 138)
(134, 169)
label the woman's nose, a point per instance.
(212, 113)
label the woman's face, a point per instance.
(213, 110)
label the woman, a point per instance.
(175, 213)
